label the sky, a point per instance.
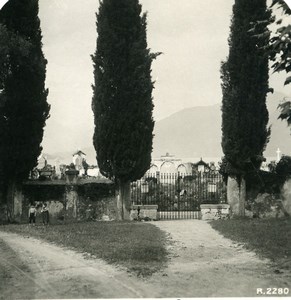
(191, 34)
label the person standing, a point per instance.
(32, 214)
(45, 214)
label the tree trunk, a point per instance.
(14, 202)
(236, 196)
(10, 201)
(123, 201)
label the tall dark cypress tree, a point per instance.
(245, 87)
(24, 108)
(122, 100)
(10, 43)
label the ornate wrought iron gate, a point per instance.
(179, 195)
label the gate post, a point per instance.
(178, 194)
(158, 176)
(158, 200)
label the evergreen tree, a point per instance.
(10, 43)
(245, 86)
(24, 108)
(122, 100)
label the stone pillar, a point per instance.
(236, 196)
(72, 177)
(71, 193)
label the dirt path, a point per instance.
(54, 272)
(202, 263)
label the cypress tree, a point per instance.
(122, 99)
(24, 108)
(245, 87)
(10, 43)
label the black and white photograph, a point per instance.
(145, 149)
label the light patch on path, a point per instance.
(202, 263)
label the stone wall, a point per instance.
(263, 206)
(286, 196)
(71, 199)
(97, 201)
(53, 193)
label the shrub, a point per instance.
(283, 167)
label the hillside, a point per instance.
(196, 132)
(192, 132)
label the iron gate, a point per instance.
(179, 195)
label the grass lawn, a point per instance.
(267, 237)
(140, 247)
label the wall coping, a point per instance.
(45, 182)
(63, 181)
(95, 180)
(144, 206)
(217, 206)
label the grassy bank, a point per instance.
(267, 237)
(140, 247)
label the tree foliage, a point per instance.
(23, 98)
(245, 86)
(280, 46)
(10, 45)
(122, 100)
(279, 51)
(283, 167)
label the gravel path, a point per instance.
(202, 263)
(56, 273)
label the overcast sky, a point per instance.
(192, 35)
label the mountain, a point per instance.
(192, 132)
(196, 132)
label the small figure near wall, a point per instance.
(32, 214)
(45, 214)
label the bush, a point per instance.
(263, 182)
(263, 190)
(283, 167)
(151, 180)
